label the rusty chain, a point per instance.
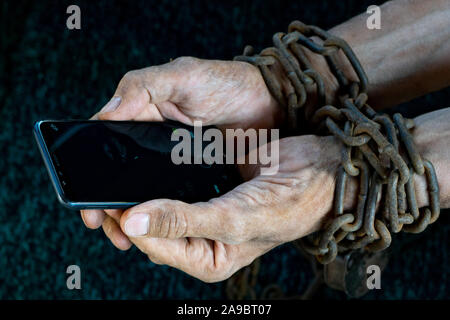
(377, 149)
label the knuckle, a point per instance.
(220, 268)
(216, 275)
(154, 260)
(170, 224)
(106, 228)
(213, 279)
(132, 74)
(129, 79)
(186, 60)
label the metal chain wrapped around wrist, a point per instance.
(372, 142)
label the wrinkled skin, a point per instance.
(224, 93)
(214, 239)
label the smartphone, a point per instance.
(118, 164)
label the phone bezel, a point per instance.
(52, 171)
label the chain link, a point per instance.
(373, 144)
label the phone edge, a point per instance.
(55, 180)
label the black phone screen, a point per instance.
(125, 161)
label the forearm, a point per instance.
(409, 56)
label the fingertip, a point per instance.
(108, 110)
(123, 218)
(115, 214)
(93, 219)
(123, 243)
(94, 117)
(137, 217)
(115, 235)
(112, 104)
(106, 116)
(120, 114)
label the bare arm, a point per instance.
(409, 56)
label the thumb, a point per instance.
(138, 93)
(174, 219)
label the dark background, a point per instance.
(49, 72)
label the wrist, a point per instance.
(431, 136)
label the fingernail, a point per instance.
(137, 225)
(111, 105)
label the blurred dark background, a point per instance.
(49, 72)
